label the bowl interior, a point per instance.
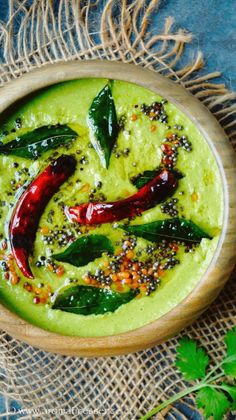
(222, 262)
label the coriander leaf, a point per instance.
(213, 403)
(231, 390)
(191, 360)
(33, 144)
(230, 361)
(85, 249)
(87, 300)
(102, 120)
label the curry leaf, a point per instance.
(170, 229)
(142, 179)
(103, 123)
(34, 143)
(85, 249)
(191, 360)
(87, 300)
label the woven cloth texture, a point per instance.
(125, 387)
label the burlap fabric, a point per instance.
(50, 386)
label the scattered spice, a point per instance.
(99, 185)
(50, 267)
(84, 160)
(125, 270)
(170, 207)
(122, 121)
(9, 268)
(27, 286)
(36, 300)
(133, 117)
(170, 147)
(41, 292)
(44, 230)
(155, 111)
(153, 128)
(85, 187)
(60, 271)
(194, 197)
(118, 153)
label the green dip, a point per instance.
(68, 103)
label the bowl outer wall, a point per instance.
(224, 257)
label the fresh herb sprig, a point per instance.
(213, 395)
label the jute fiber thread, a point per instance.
(125, 387)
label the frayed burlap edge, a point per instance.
(119, 32)
(123, 387)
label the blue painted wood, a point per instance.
(213, 23)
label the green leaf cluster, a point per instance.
(215, 387)
(103, 123)
(87, 300)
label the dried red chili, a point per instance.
(148, 196)
(26, 216)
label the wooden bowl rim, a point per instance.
(183, 314)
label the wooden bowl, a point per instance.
(223, 260)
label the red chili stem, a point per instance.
(27, 213)
(147, 197)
